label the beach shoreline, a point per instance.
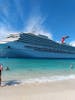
(59, 90)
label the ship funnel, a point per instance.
(63, 39)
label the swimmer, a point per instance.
(7, 69)
(71, 66)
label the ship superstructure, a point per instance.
(36, 46)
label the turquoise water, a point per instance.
(37, 70)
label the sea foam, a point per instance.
(38, 80)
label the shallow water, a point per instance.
(37, 70)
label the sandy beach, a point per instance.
(60, 90)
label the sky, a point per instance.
(54, 18)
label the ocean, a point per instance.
(25, 71)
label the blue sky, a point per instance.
(55, 18)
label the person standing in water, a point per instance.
(71, 66)
(1, 68)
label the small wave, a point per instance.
(37, 80)
(49, 79)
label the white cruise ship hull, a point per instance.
(19, 49)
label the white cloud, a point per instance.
(42, 32)
(36, 21)
(72, 43)
(35, 25)
(5, 30)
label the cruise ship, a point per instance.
(28, 45)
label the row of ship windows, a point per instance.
(44, 43)
(51, 50)
(35, 38)
(51, 45)
(48, 49)
(32, 36)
